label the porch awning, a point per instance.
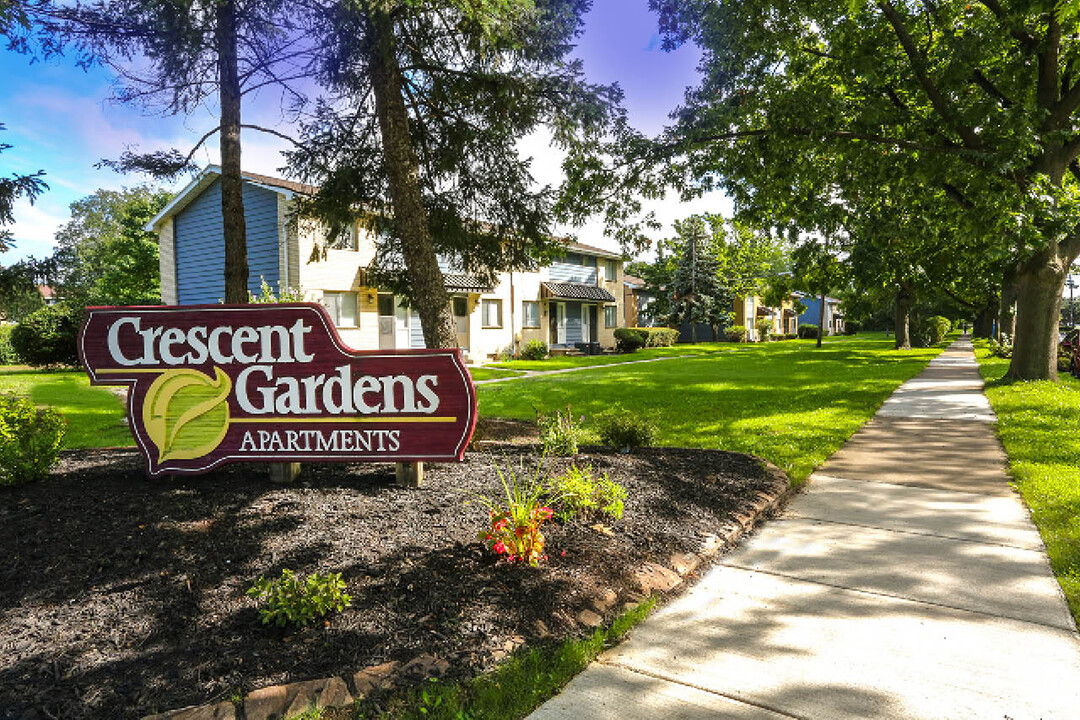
(576, 291)
(457, 282)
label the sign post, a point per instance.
(212, 384)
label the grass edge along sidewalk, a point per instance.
(789, 403)
(1038, 423)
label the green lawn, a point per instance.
(487, 373)
(95, 415)
(1039, 425)
(787, 401)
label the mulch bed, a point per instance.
(122, 596)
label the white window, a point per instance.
(611, 316)
(342, 307)
(530, 314)
(611, 270)
(345, 237)
(491, 313)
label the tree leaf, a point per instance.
(186, 414)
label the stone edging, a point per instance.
(282, 701)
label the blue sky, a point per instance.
(59, 120)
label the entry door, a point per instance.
(387, 331)
(560, 322)
(461, 321)
(586, 326)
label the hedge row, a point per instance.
(630, 339)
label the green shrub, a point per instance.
(299, 601)
(30, 440)
(764, 327)
(534, 350)
(559, 433)
(628, 340)
(49, 336)
(938, 327)
(658, 336)
(8, 356)
(577, 492)
(735, 333)
(1003, 349)
(852, 327)
(619, 428)
(808, 332)
(790, 336)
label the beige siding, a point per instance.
(167, 261)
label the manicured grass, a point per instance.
(787, 402)
(487, 373)
(95, 415)
(1039, 425)
(517, 686)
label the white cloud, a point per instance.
(34, 229)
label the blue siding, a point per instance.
(416, 331)
(573, 323)
(200, 244)
(813, 307)
(574, 268)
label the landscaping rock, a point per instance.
(684, 563)
(652, 577)
(589, 619)
(425, 666)
(375, 677)
(605, 601)
(283, 701)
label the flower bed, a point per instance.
(123, 596)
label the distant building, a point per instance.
(48, 294)
(834, 316)
(575, 300)
(636, 299)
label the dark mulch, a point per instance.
(121, 596)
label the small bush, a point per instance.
(735, 333)
(534, 350)
(266, 294)
(299, 601)
(937, 327)
(852, 327)
(620, 428)
(628, 340)
(578, 492)
(808, 332)
(1003, 349)
(790, 336)
(30, 440)
(658, 336)
(514, 528)
(764, 327)
(8, 356)
(559, 433)
(49, 336)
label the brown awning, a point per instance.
(576, 291)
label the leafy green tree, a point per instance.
(428, 99)
(978, 99)
(104, 256)
(19, 294)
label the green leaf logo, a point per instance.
(186, 414)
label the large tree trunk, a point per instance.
(984, 321)
(905, 299)
(232, 184)
(1039, 284)
(1006, 310)
(428, 292)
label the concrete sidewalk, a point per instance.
(907, 582)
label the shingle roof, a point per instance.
(577, 291)
(593, 250)
(458, 282)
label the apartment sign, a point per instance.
(211, 384)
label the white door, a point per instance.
(586, 335)
(461, 321)
(560, 322)
(387, 332)
(401, 324)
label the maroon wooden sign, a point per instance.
(210, 384)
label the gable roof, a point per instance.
(208, 175)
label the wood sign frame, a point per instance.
(212, 384)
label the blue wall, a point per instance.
(574, 268)
(813, 307)
(200, 244)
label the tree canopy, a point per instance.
(971, 104)
(418, 134)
